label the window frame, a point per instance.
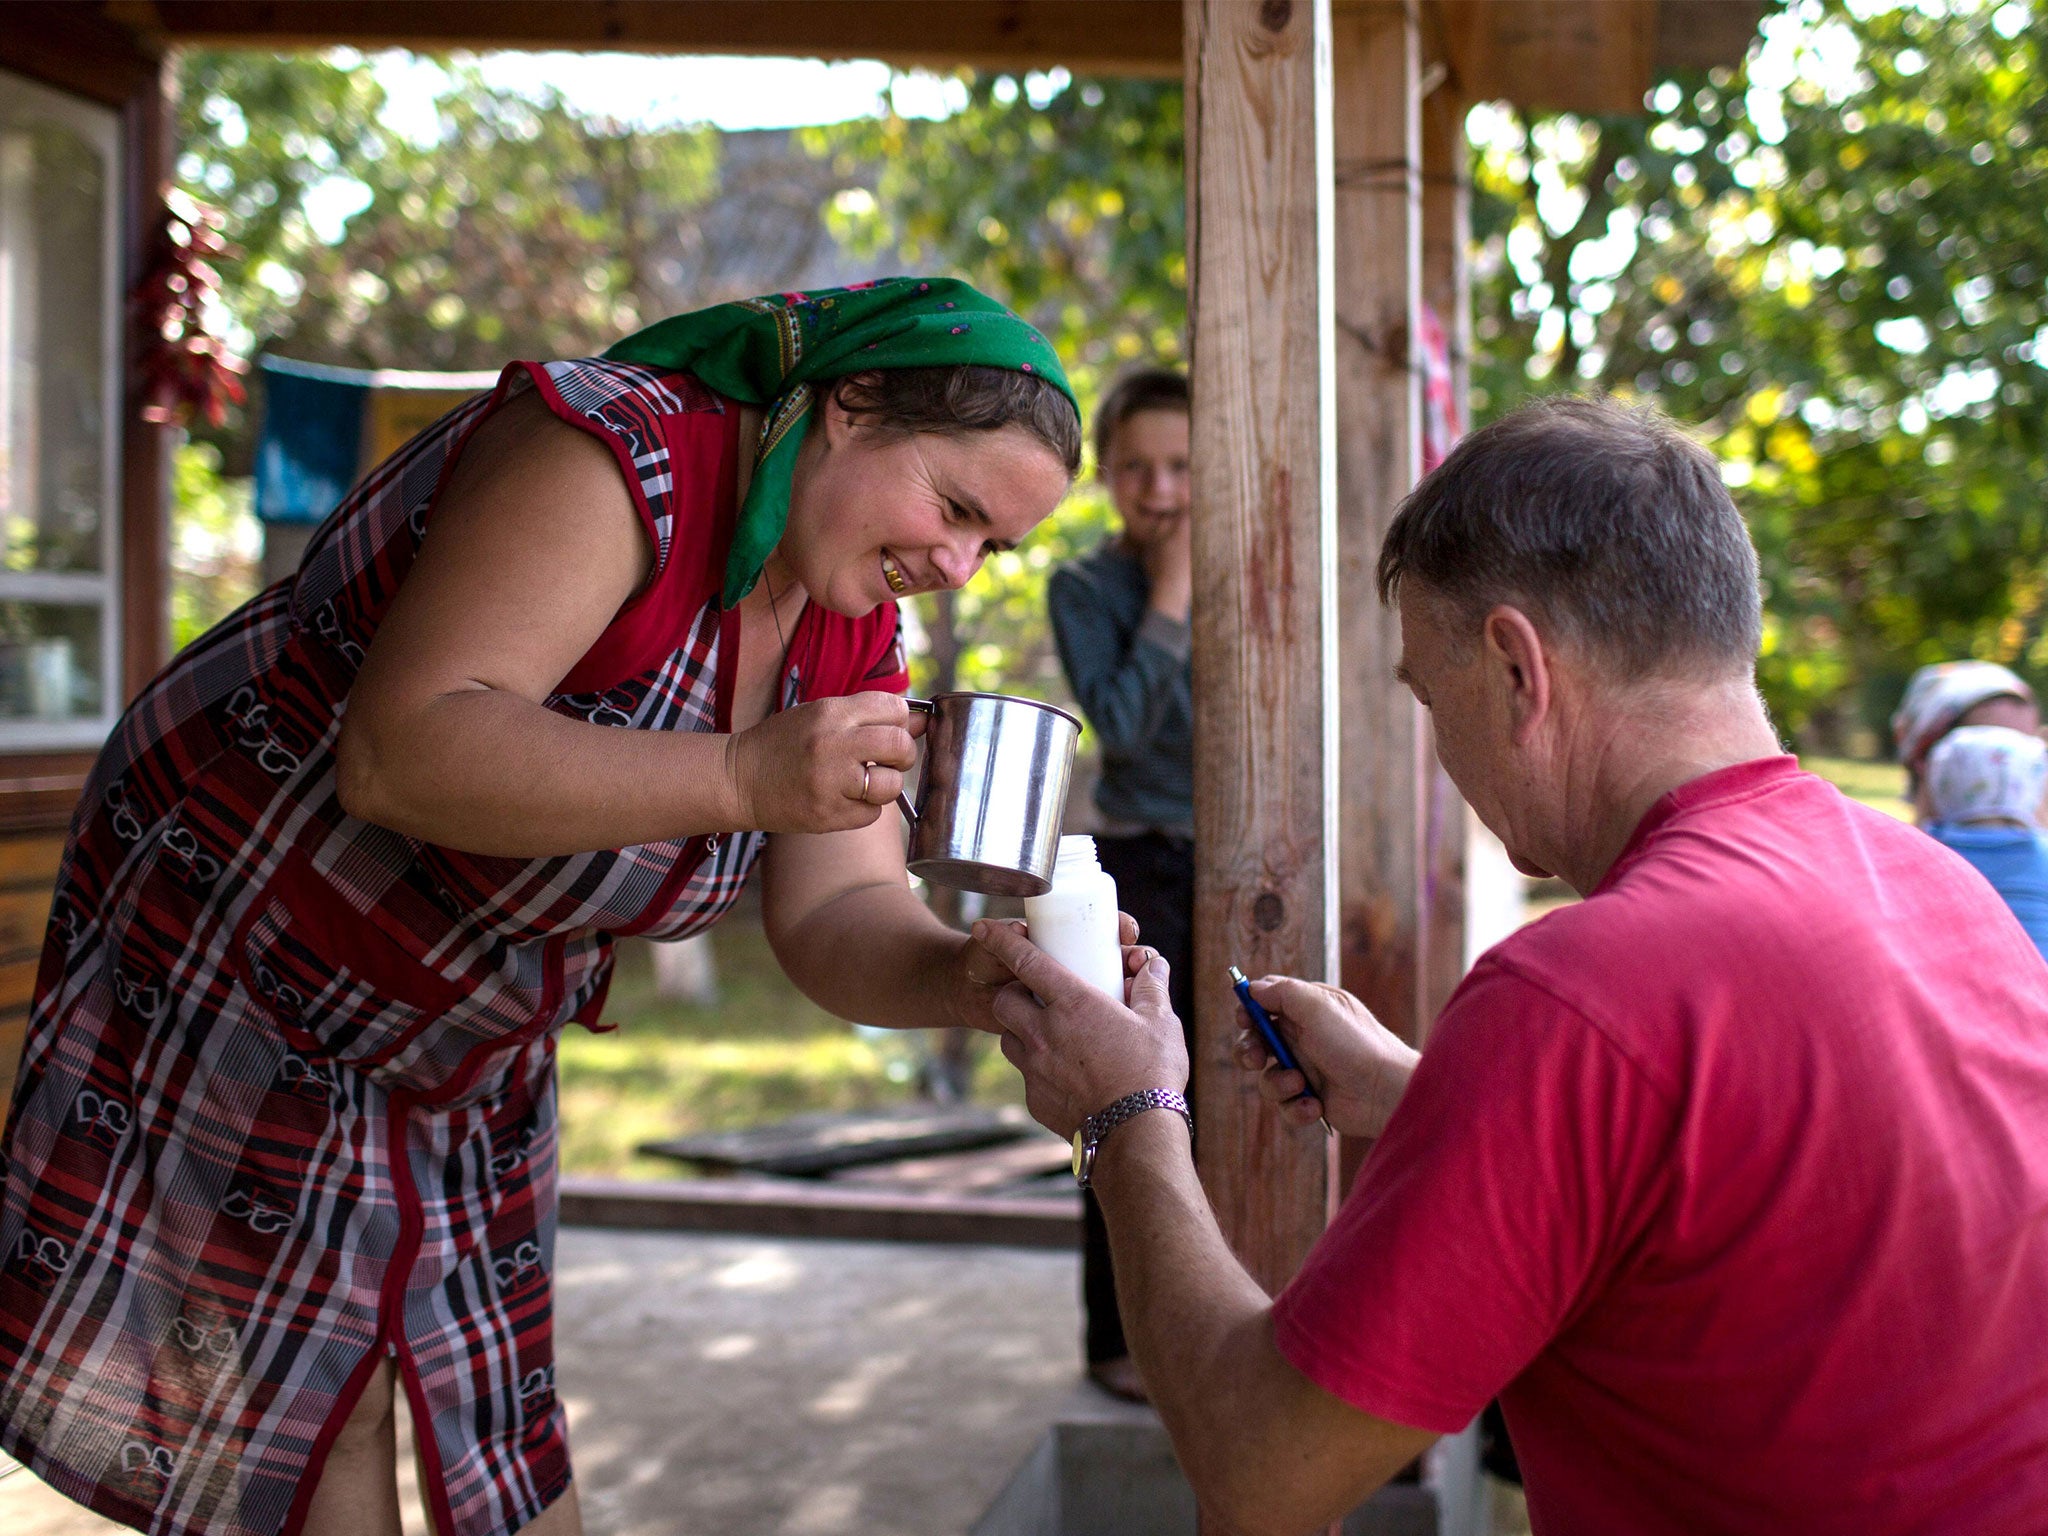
(102, 127)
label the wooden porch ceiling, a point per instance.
(1575, 55)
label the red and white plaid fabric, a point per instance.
(288, 1099)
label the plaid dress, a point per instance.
(287, 1105)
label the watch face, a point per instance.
(1079, 1144)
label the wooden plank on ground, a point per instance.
(803, 1208)
(810, 1146)
(1258, 124)
(982, 1171)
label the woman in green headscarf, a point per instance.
(284, 1135)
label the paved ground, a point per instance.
(730, 1386)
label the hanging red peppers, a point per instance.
(184, 371)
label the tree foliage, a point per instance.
(259, 137)
(1832, 262)
(1062, 197)
(1065, 199)
(526, 230)
(520, 229)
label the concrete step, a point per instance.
(1107, 1469)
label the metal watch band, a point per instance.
(1097, 1126)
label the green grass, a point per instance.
(1882, 786)
(762, 1053)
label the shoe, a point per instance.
(1119, 1378)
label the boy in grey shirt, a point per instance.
(1120, 619)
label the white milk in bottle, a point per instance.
(1075, 922)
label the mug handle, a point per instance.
(922, 707)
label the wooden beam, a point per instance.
(1376, 69)
(1579, 55)
(1699, 34)
(1127, 37)
(145, 587)
(1590, 56)
(1259, 182)
(75, 48)
(1446, 289)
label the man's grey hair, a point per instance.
(1604, 522)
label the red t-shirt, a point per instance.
(1732, 1182)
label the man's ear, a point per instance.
(1520, 664)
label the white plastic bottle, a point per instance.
(1075, 922)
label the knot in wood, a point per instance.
(1268, 912)
(1275, 14)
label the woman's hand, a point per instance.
(1362, 1066)
(824, 767)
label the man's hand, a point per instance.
(1079, 1049)
(980, 976)
(1361, 1066)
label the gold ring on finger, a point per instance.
(866, 772)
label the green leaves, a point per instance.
(1834, 266)
(521, 229)
(1062, 197)
(1065, 199)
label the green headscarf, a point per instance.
(767, 351)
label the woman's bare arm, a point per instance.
(533, 549)
(849, 931)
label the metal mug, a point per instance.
(993, 793)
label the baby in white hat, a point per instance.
(1984, 784)
(1950, 694)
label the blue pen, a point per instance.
(1263, 1022)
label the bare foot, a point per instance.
(1119, 1378)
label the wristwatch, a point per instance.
(1095, 1127)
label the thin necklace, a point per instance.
(775, 612)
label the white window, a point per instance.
(60, 418)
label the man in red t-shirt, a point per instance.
(1731, 1181)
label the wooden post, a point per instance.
(1376, 65)
(1259, 177)
(145, 586)
(1446, 288)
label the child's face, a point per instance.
(1147, 474)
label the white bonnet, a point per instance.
(1977, 772)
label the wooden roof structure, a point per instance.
(1595, 56)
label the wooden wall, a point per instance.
(28, 865)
